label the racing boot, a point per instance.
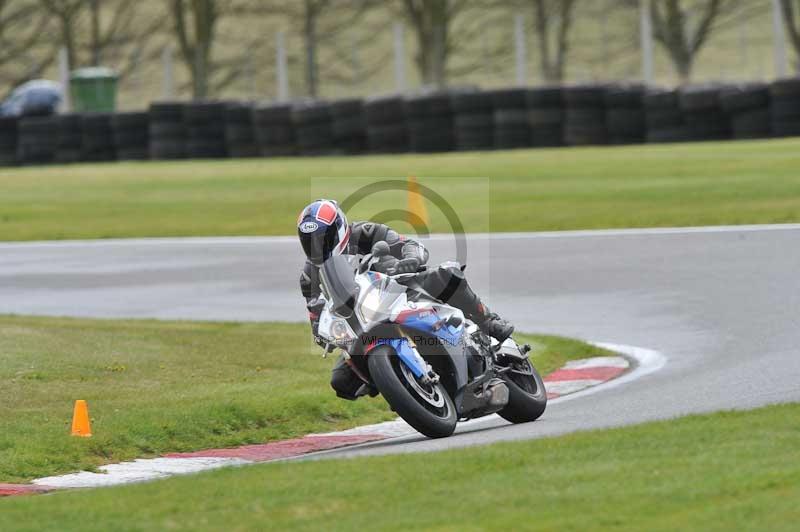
(491, 324)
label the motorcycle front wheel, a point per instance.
(426, 407)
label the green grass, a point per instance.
(717, 472)
(641, 186)
(155, 387)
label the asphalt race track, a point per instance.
(722, 304)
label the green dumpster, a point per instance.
(93, 89)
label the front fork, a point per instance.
(407, 352)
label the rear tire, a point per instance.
(385, 370)
(527, 397)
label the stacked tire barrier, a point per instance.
(69, 138)
(702, 111)
(625, 118)
(585, 117)
(511, 127)
(349, 127)
(167, 132)
(663, 117)
(97, 138)
(462, 119)
(131, 137)
(430, 122)
(747, 106)
(313, 128)
(205, 130)
(473, 121)
(785, 107)
(36, 141)
(8, 140)
(546, 116)
(274, 130)
(387, 129)
(240, 137)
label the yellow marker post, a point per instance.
(417, 212)
(80, 420)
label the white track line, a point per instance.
(245, 240)
(647, 361)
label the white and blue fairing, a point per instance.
(382, 300)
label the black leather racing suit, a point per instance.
(446, 283)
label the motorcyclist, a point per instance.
(324, 232)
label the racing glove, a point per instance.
(408, 265)
(315, 307)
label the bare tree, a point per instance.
(122, 31)
(320, 24)
(431, 20)
(683, 27)
(25, 51)
(791, 18)
(552, 23)
(444, 27)
(67, 14)
(194, 22)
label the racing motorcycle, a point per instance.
(432, 365)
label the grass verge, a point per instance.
(717, 472)
(155, 387)
(548, 189)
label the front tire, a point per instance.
(527, 397)
(427, 408)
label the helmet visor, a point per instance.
(319, 245)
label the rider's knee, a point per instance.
(449, 271)
(344, 381)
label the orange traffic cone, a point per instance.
(417, 213)
(80, 420)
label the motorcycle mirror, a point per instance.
(380, 249)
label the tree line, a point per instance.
(446, 34)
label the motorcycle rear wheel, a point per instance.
(427, 408)
(527, 397)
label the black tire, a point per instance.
(385, 110)
(474, 121)
(167, 149)
(471, 103)
(311, 114)
(204, 112)
(272, 115)
(545, 98)
(751, 124)
(699, 97)
(8, 124)
(347, 109)
(527, 396)
(385, 370)
(585, 96)
(388, 139)
(625, 96)
(661, 99)
(167, 111)
(668, 134)
(344, 128)
(787, 87)
(427, 105)
(509, 98)
(744, 97)
(546, 117)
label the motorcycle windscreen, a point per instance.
(338, 279)
(378, 297)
